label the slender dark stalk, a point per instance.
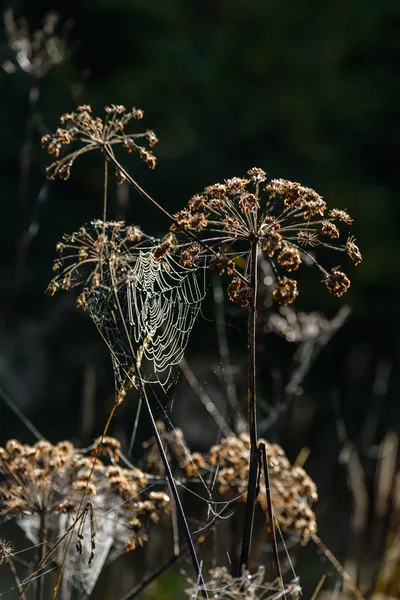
(264, 460)
(252, 410)
(17, 580)
(164, 458)
(42, 554)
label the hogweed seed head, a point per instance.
(94, 132)
(337, 282)
(51, 479)
(286, 220)
(292, 490)
(85, 256)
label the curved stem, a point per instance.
(110, 154)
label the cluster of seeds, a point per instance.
(292, 490)
(94, 132)
(285, 219)
(85, 256)
(51, 480)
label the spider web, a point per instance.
(146, 318)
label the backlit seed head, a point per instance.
(239, 291)
(328, 228)
(353, 250)
(285, 291)
(92, 132)
(270, 243)
(257, 175)
(189, 255)
(340, 215)
(289, 258)
(285, 219)
(337, 282)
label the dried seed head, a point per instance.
(328, 228)
(34, 54)
(239, 291)
(340, 215)
(249, 203)
(93, 132)
(337, 282)
(167, 244)
(289, 258)
(270, 243)
(307, 238)
(189, 255)
(285, 291)
(257, 175)
(353, 251)
(237, 214)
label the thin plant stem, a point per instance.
(318, 588)
(252, 410)
(43, 551)
(270, 512)
(163, 456)
(110, 154)
(54, 547)
(95, 457)
(17, 580)
(334, 561)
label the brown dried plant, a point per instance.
(93, 133)
(86, 255)
(47, 480)
(292, 490)
(231, 224)
(44, 487)
(285, 220)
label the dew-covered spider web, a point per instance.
(146, 317)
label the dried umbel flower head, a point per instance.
(292, 490)
(285, 220)
(52, 478)
(94, 132)
(58, 483)
(34, 54)
(86, 255)
(250, 586)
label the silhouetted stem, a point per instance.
(42, 551)
(163, 456)
(252, 410)
(264, 458)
